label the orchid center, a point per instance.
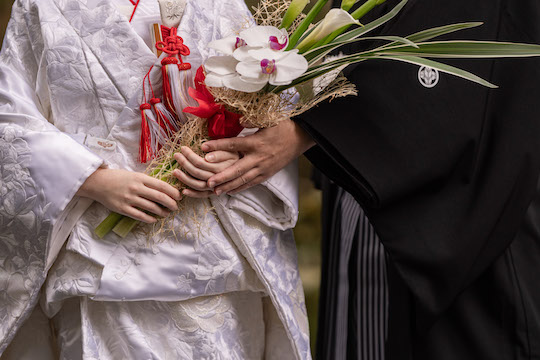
(268, 66)
(276, 45)
(239, 43)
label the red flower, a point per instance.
(221, 123)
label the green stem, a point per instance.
(108, 224)
(293, 39)
(357, 15)
(295, 9)
(124, 227)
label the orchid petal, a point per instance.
(225, 46)
(242, 54)
(289, 68)
(236, 83)
(214, 80)
(263, 78)
(221, 65)
(259, 36)
(251, 69)
(279, 83)
(269, 54)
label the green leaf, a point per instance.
(317, 54)
(316, 72)
(441, 67)
(466, 49)
(432, 33)
(357, 14)
(347, 4)
(353, 34)
(295, 8)
(293, 39)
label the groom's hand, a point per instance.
(263, 154)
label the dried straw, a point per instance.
(270, 13)
(263, 110)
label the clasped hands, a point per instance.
(230, 165)
(235, 164)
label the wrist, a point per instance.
(305, 141)
(89, 187)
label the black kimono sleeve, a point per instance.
(444, 173)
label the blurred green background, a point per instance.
(307, 231)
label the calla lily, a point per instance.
(295, 9)
(335, 19)
(277, 68)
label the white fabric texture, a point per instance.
(72, 67)
(228, 326)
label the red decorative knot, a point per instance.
(169, 60)
(154, 101)
(145, 106)
(173, 44)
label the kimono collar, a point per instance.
(110, 38)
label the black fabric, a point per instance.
(354, 296)
(446, 176)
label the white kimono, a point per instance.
(71, 72)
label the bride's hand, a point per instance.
(198, 170)
(128, 193)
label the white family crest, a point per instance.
(428, 77)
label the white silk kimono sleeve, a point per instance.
(41, 169)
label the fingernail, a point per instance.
(211, 184)
(218, 192)
(210, 157)
(204, 147)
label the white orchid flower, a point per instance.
(221, 72)
(227, 45)
(219, 67)
(276, 68)
(266, 37)
(253, 59)
(335, 19)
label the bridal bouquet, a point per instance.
(281, 65)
